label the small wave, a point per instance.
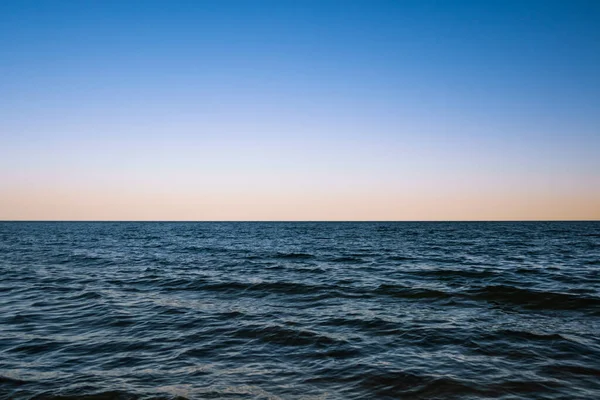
(294, 256)
(456, 273)
(205, 249)
(348, 259)
(526, 335)
(397, 384)
(40, 347)
(392, 383)
(104, 395)
(561, 369)
(261, 287)
(525, 387)
(286, 336)
(5, 380)
(533, 299)
(376, 326)
(335, 353)
(311, 270)
(86, 259)
(595, 235)
(412, 292)
(91, 295)
(400, 258)
(172, 283)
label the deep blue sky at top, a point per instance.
(482, 78)
(541, 55)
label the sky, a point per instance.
(299, 110)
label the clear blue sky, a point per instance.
(300, 109)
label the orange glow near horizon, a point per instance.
(35, 204)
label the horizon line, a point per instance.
(284, 221)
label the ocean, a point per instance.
(300, 310)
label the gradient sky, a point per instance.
(299, 110)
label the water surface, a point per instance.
(300, 310)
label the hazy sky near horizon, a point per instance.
(300, 110)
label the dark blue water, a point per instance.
(300, 310)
